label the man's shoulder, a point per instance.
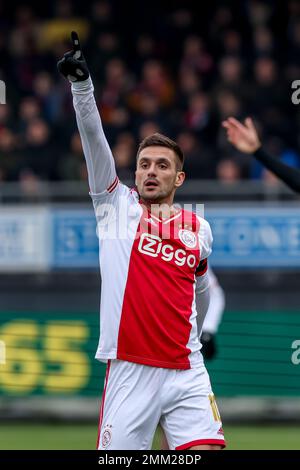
(204, 224)
(191, 216)
(116, 191)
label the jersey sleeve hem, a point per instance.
(202, 267)
(205, 238)
(108, 191)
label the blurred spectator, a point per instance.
(5, 116)
(266, 89)
(149, 110)
(197, 116)
(39, 158)
(8, 154)
(101, 16)
(155, 82)
(118, 83)
(148, 128)
(232, 43)
(270, 179)
(228, 171)
(48, 95)
(263, 42)
(105, 48)
(189, 83)
(23, 46)
(259, 12)
(199, 161)
(228, 104)
(125, 161)
(195, 56)
(145, 50)
(30, 184)
(179, 73)
(230, 69)
(72, 166)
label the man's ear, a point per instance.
(180, 177)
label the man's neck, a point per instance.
(161, 210)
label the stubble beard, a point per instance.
(156, 198)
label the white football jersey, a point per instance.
(149, 267)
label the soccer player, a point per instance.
(154, 293)
(245, 138)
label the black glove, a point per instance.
(73, 65)
(208, 345)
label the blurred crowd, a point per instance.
(157, 67)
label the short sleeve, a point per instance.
(205, 239)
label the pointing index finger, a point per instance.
(75, 41)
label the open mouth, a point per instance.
(151, 184)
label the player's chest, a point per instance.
(167, 243)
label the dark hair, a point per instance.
(163, 141)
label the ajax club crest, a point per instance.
(106, 436)
(188, 238)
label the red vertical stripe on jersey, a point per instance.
(102, 401)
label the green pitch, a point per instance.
(58, 436)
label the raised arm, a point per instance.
(100, 163)
(244, 137)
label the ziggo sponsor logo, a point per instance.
(152, 245)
